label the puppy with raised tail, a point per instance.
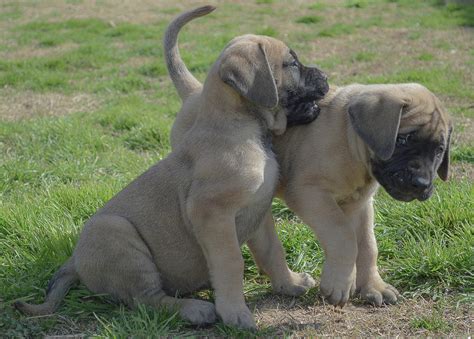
(179, 226)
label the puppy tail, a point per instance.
(58, 287)
(183, 80)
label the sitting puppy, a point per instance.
(179, 226)
(395, 135)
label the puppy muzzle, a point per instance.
(405, 185)
(302, 105)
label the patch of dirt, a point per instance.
(286, 315)
(17, 105)
(463, 130)
(462, 171)
(463, 135)
(138, 61)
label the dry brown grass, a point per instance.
(21, 105)
(289, 315)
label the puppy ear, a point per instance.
(443, 169)
(247, 70)
(376, 118)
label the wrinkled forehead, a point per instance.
(273, 47)
(425, 115)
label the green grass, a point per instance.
(356, 3)
(363, 56)
(55, 172)
(434, 322)
(426, 57)
(268, 31)
(336, 30)
(427, 247)
(309, 19)
(437, 79)
(318, 6)
(141, 323)
(463, 153)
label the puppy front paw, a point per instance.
(295, 285)
(378, 293)
(198, 312)
(237, 316)
(338, 284)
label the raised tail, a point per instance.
(58, 287)
(183, 80)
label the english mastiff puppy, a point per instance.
(179, 226)
(396, 136)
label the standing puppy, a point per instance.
(393, 135)
(179, 226)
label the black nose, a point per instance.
(420, 183)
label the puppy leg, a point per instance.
(269, 255)
(368, 282)
(112, 258)
(336, 235)
(197, 312)
(215, 231)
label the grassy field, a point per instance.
(86, 105)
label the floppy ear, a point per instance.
(443, 169)
(376, 118)
(247, 70)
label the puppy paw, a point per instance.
(378, 293)
(198, 312)
(338, 284)
(297, 284)
(239, 317)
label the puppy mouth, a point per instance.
(302, 106)
(407, 196)
(304, 113)
(425, 195)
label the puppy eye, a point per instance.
(402, 139)
(293, 63)
(439, 151)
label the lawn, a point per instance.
(86, 105)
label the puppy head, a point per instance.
(267, 74)
(408, 133)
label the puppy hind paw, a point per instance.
(298, 284)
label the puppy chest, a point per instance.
(249, 218)
(356, 194)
